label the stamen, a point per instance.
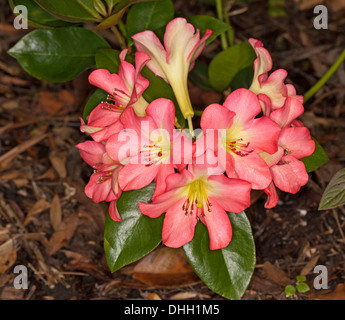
(196, 199)
(238, 147)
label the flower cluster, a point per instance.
(252, 141)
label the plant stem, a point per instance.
(119, 37)
(220, 14)
(190, 126)
(318, 85)
(230, 32)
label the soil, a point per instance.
(51, 227)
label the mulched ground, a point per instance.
(50, 226)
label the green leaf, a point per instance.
(199, 75)
(96, 98)
(243, 78)
(71, 10)
(225, 271)
(108, 59)
(57, 55)
(301, 278)
(206, 22)
(228, 63)
(334, 194)
(316, 160)
(150, 15)
(38, 17)
(302, 287)
(136, 235)
(290, 290)
(158, 88)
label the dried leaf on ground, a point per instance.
(58, 163)
(275, 274)
(40, 206)
(64, 233)
(337, 294)
(165, 267)
(55, 212)
(8, 255)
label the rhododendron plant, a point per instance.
(164, 181)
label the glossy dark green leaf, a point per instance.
(150, 15)
(199, 75)
(108, 59)
(37, 17)
(96, 98)
(243, 78)
(57, 55)
(136, 236)
(317, 159)
(228, 63)
(334, 194)
(226, 271)
(206, 22)
(71, 10)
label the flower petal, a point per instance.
(178, 228)
(272, 196)
(218, 226)
(289, 175)
(92, 152)
(99, 191)
(107, 81)
(263, 135)
(232, 195)
(297, 142)
(164, 171)
(245, 104)
(148, 43)
(162, 111)
(216, 116)
(113, 212)
(137, 176)
(250, 168)
(291, 110)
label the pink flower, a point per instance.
(149, 153)
(294, 143)
(124, 89)
(103, 184)
(194, 194)
(182, 47)
(270, 85)
(242, 137)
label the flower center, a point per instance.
(105, 171)
(116, 101)
(238, 147)
(157, 151)
(196, 198)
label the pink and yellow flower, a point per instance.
(242, 137)
(103, 184)
(146, 147)
(272, 85)
(182, 47)
(288, 172)
(124, 89)
(194, 194)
